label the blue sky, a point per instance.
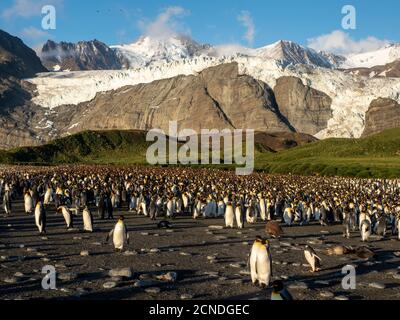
(208, 21)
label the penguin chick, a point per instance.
(274, 229)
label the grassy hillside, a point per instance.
(113, 147)
(375, 156)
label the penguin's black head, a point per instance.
(122, 218)
(277, 285)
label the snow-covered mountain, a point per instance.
(371, 59)
(151, 59)
(84, 55)
(289, 52)
(148, 50)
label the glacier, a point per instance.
(351, 94)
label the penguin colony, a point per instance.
(367, 207)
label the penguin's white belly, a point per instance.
(87, 221)
(185, 202)
(263, 212)
(229, 217)
(308, 214)
(119, 237)
(263, 267)
(170, 209)
(197, 211)
(238, 215)
(67, 217)
(28, 204)
(144, 208)
(287, 217)
(177, 206)
(47, 197)
(365, 230)
(398, 228)
(253, 262)
(38, 221)
(268, 210)
(311, 259)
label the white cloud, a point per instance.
(341, 43)
(28, 8)
(165, 25)
(247, 21)
(33, 33)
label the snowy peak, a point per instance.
(84, 55)
(289, 52)
(147, 50)
(380, 57)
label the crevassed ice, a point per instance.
(351, 95)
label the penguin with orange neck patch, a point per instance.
(120, 235)
(261, 262)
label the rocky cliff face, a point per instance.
(307, 109)
(16, 59)
(84, 55)
(217, 98)
(382, 114)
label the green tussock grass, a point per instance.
(377, 156)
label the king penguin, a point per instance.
(120, 234)
(261, 262)
(313, 259)
(40, 217)
(288, 216)
(365, 230)
(48, 196)
(229, 215)
(240, 213)
(67, 216)
(87, 220)
(28, 203)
